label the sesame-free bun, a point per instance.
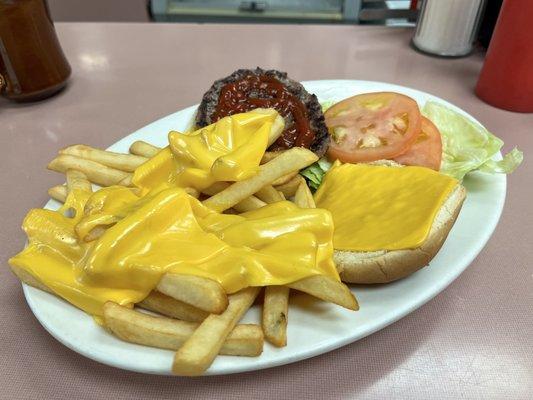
(387, 266)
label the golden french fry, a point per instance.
(269, 195)
(289, 189)
(58, 193)
(327, 289)
(276, 314)
(167, 333)
(95, 172)
(169, 307)
(303, 197)
(276, 302)
(127, 181)
(270, 155)
(144, 149)
(123, 162)
(284, 179)
(248, 204)
(29, 279)
(77, 180)
(277, 127)
(199, 351)
(289, 161)
(192, 192)
(203, 293)
(96, 232)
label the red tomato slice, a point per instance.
(372, 126)
(427, 149)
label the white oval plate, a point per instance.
(314, 327)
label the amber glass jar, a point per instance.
(32, 64)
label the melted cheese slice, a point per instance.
(382, 208)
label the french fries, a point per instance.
(77, 180)
(327, 289)
(144, 149)
(275, 315)
(123, 162)
(205, 294)
(285, 179)
(199, 351)
(199, 319)
(303, 197)
(269, 195)
(58, 193)
(166, 333)
(289, 161)
(170, 307)
(276, 301)
(247, 204)
(289, 189)
(95, 172)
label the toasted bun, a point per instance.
(387, 266)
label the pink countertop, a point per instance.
(474, 340)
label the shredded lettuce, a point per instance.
(467, 146)
(315, 173)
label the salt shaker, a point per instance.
(448, 27)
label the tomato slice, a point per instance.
(372, 126)
(427, 149)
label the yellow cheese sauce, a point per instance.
(166, 230)
(382, 208)
(229, 150)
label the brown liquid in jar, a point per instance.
(236, 97)
(32, 64)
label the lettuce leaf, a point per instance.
(326, 104)
(467, 146)
(315, 173)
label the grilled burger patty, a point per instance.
(247, 89)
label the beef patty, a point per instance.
(211, 109)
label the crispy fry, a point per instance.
(127, 181)
(199, 351)
(123, 162)
(166, 333)
(303, 197)
(169, 307)
(327, 289)
(96, 232)
(289, 189)
(58, 193)
(204, 293)
(77, 180)
(284, 179)
(276, 314)
(291, 160)
(277, 127)
(95, 172)
(270, 155)
(143, 149)
(269, 195)
(248, 204)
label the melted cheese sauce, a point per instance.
(166, 230)
(382, 208)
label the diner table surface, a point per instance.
(472, 341)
